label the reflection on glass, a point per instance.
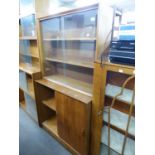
(28, 25)
(70, 38)
(24, 48)
(51, 28)
(80, 25)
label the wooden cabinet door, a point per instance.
(73, 120)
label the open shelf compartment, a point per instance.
(50, 102)
(51, 125)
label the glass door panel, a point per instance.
(80, 25)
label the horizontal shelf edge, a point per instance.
(82, 97)
(29, 70)
(29, 55)
(70, 63)
(27, 38)
(46, 103)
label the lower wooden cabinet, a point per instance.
(73, 121)
(64, 116)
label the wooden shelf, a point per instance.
(125, 69)
(51, 125)
(71, 62)
(112, 91)
(67, 91)
(30, 55)
(69, 39)
(70, 83)
(51, 103)
(116, 141)
(119, 120)
(28, 68)
(28, 38)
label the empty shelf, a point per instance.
(51, 125)
(116, 141)
(73, 84)
(50, 103)
(112, 91)
(119, 120)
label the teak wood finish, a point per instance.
(98, 103)
(73, 122)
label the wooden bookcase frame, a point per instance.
(101, 37)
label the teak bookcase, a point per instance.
(29, 60)
(69, 47)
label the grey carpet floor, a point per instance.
(36, 141)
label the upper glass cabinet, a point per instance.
(69, 45)
(71, 38)
(28, 25)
